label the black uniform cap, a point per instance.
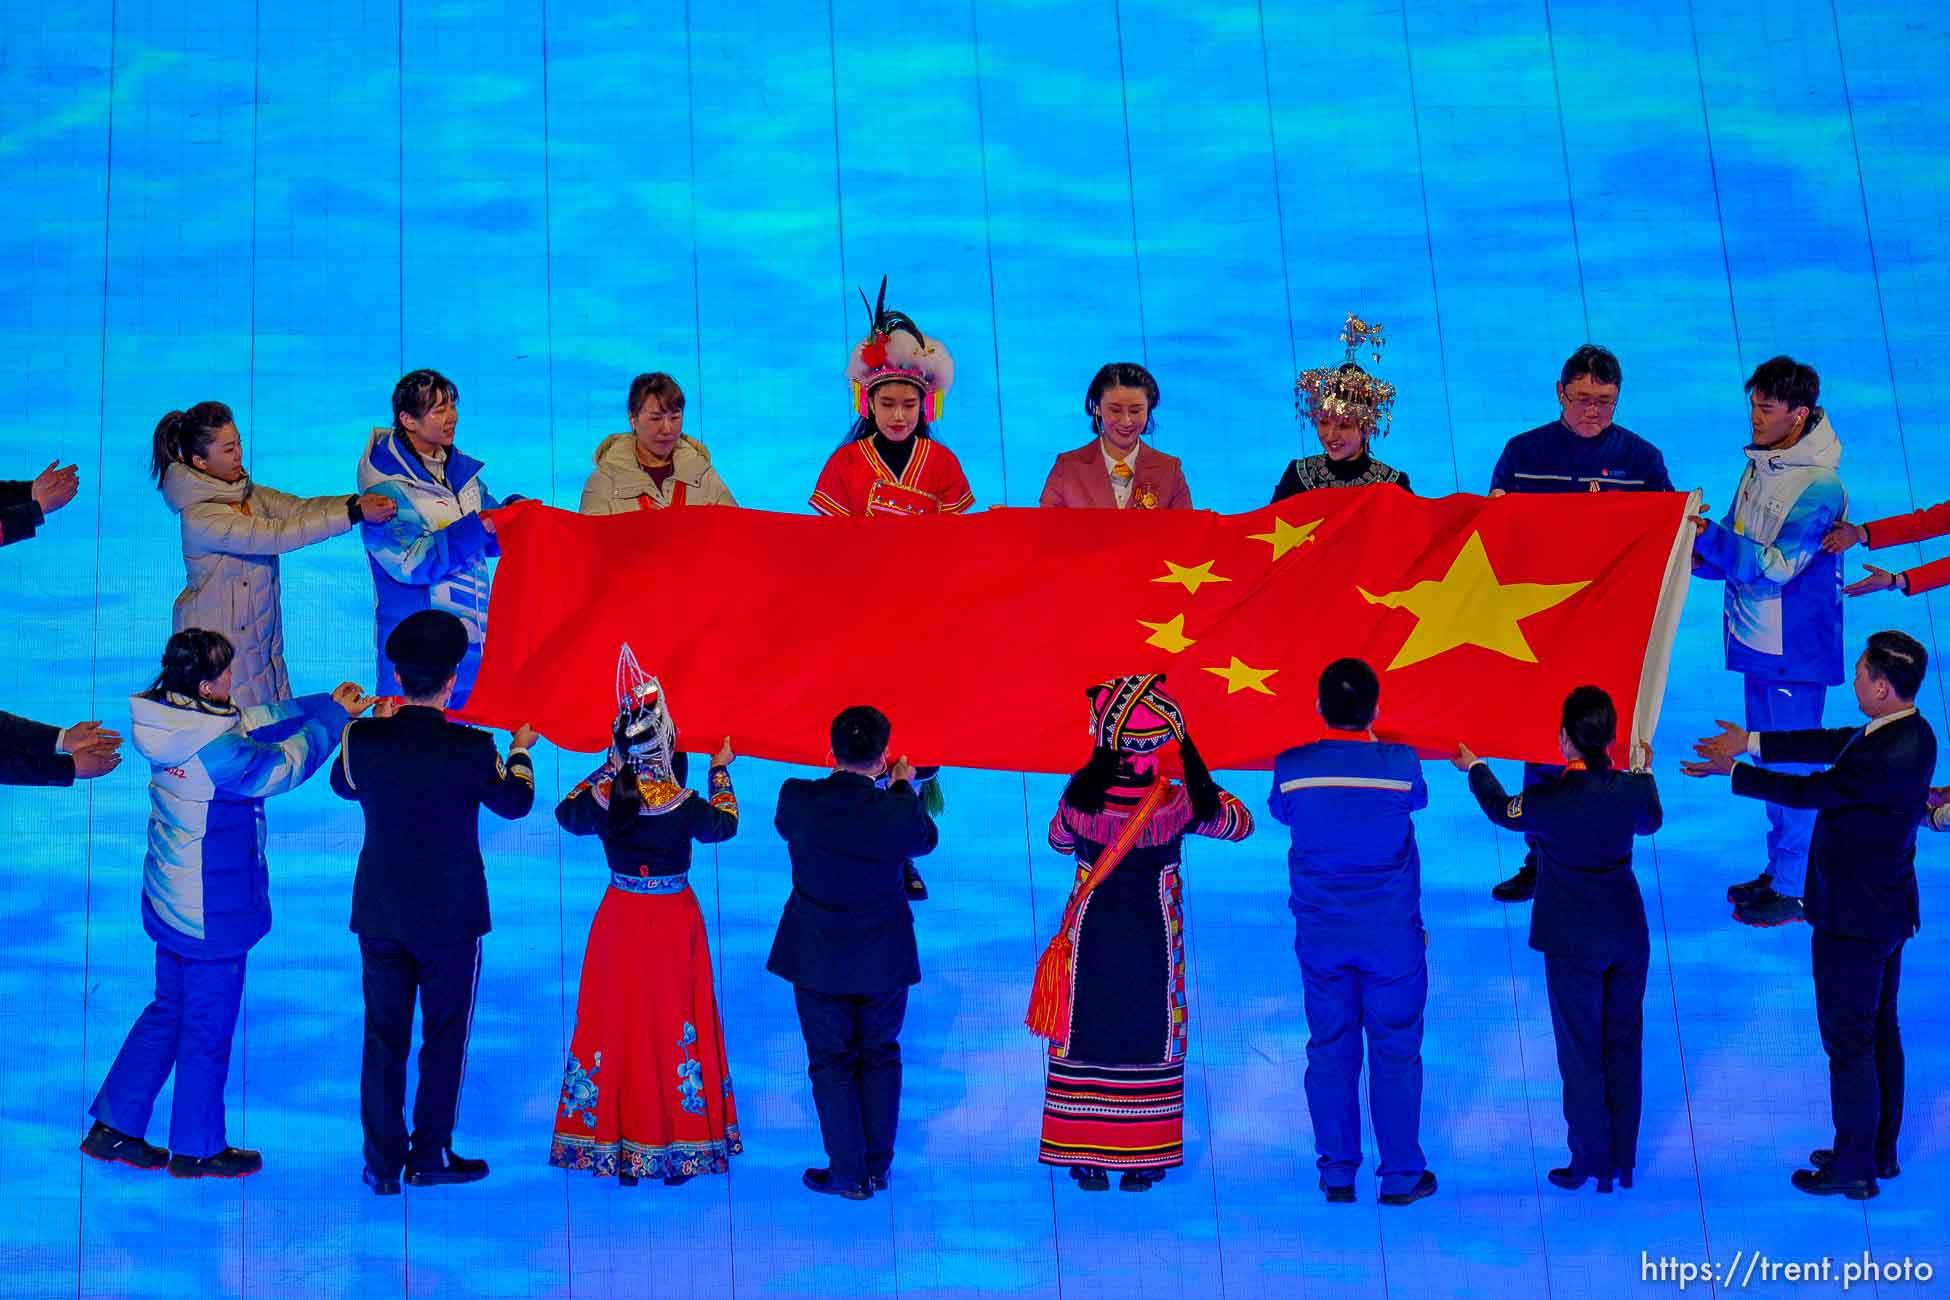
(430, 641)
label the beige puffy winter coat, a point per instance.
(620, 481)
(233, 534)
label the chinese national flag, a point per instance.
(977, 634)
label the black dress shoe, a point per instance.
(1133, 1180)
(1520, 888)
(1570, 1180)
(677, 1180)
(879, 1181)
(451, 1169)
(1089, 1178)
(1625, 1178)
(1337, 1195)
(1816, 1182)
(1747, 889)
(231, 1162)
(380, 1184)
(1424, 1187)
(821, 1181)
(626, 1180)
(117, 1147)
(1822, 1157)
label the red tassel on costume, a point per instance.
(1049, 1000)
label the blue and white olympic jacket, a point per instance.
(1783, 592)
(1353, 863)
(432, 554)
(206, 892)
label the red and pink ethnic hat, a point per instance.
(895, 349)
(1134, 714)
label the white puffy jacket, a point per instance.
(233, 534)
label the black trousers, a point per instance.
(1855, 998)
(1598, 1019)
(443, 977)
(853, 1056)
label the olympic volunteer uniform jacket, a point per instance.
(206, 892)
(1783, 592)
(432, 554)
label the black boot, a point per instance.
(231, 1162)
(117, 1147)
(626, 1180)
(1570, 1180)
(1089, 1178)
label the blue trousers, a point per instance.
(1786, 706)
(186, 1028)
(1375, 982)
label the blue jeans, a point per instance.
(1786, 706)
(188, 1028)
(1377, 982)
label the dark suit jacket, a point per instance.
(848, 927)
(421, 782)
(19, 514)
(1862, 859)
(1588, 901)
(27, 754)
(1078, 479)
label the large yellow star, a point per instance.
(1285, 536)
(1239, 677)
(1470, 605)
(1169, 635)
(1191, 579)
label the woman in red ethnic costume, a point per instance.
(646, 1092)
(1110, 993)
(890, 463)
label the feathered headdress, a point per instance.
(895, 348)
(1134, 714)
(1346, 390)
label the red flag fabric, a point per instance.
(977, 634)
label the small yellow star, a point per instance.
(1169, 635)
(1193, 578)
(1241, 678)
(1470, 605)
(1286, 537)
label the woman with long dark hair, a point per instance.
(890, 463)
(1589, 922)
(206, 894)
(646, 1092)
(1110, 992)
(1117, 469)
(234, 530)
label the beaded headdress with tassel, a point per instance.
(1346, 390)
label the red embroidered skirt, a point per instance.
(646, 1090)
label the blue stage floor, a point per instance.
(285, 206)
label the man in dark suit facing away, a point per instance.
(846, 944)
(420, 900)
(1861, 892)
